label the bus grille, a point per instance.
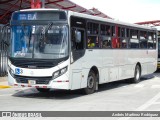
(39, 80)
(34, 65)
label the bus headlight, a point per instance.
(11, 71)
(59, 72)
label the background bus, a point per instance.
(68, 50)
(158, 65)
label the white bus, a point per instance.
(158, 65)
(67, 50)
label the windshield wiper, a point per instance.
(43, 36)
(44, 31)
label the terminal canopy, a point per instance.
(9, 6)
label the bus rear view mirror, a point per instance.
(78, 36)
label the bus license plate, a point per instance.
(31, 82)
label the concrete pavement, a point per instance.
(4, 83)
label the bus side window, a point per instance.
(134, 41)
(115, 37)
(150, 40)
(155, 42)
(77, 45)
(73, 45)
(143, 39)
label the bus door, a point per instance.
(77, 52)
(77, 44)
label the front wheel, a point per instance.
(43, 90)
(137, 75)
(91, 83)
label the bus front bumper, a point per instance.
(60, 84)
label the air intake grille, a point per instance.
(39, 80)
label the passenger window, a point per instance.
(123, 38)
(106, 42)
(93, 42)
(115, 38)
(92, 28)
(134, 42)
(77, 45)
(124, 42)
(123, 32)
(115, 42)
(127, 33)
(143, 39)
(155, 42)
(118, 32)
(105, 30)
(105, 36)
(113, 31)
(150, 40)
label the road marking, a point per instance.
(155, 86)
(4, 86)
(146, 105)
(156, 103)
(6, 95)
(139, 86)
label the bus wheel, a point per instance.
(91, 83)
(43, 89)
(137, 74)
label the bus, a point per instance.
(58, 49)
(158, 65)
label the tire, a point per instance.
(137, 75)
(91, 83)
(43, 90)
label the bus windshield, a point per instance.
(39, 41)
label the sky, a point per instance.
(130, 11)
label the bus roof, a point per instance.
(91, 17)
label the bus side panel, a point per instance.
(125, 66)
(144, 68)
(113, 74)
(76, 79)
(85, 73)
(104, 75)
(151, 67)
(76, 74)
(92, 58)
(152, 63)
(126, 71)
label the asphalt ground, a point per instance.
(4, 82)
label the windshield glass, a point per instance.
(39, 41)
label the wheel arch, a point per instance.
(96, 71)
(139, 64)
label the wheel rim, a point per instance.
(137, 74)
(90, 82)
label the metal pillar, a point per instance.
(4, 37)
(36, 4)
(43, 3)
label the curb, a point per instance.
(3, 83)
(3, 86)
